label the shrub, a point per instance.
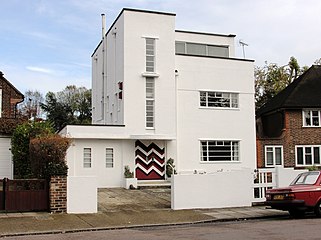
(170, 167)
(47, 155)
(128, 173)
(7, 125)
(20, 146)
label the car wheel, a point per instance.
(317, 209)
(295, 213)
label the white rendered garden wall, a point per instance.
(215, 190)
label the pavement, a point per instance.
(120, 208)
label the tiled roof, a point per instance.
(303, 92)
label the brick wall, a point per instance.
(10, 97)
(58, 194)
(292, 135)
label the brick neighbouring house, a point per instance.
(289, 125)
(9, 98)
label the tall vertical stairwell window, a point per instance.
(150, 55)
(150, 102)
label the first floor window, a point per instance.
(308, 155)
(87, 157)
(216, 151)
(109, 158)
(273, 155)
(311, 118)
(219, 99)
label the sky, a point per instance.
(46, 45)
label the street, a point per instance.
(272, 229)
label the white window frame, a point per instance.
(305, 154)
(87, 157)
(233, 99)
(150, 103)
(234, 148)
(274, 155)
(150, 54)
(311, 122)
(206, 48)
(109, 157)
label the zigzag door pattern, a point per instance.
(150, 161)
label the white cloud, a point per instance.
(39, 69)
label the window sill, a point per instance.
(220, 108)
(311, 126)
(273, 166)
(311, 165)
(220, 162)
(150, 74)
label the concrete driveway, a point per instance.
(120, 199)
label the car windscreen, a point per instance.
(308, 178)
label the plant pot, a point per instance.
(129, 182)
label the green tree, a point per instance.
(58, 113)
(70, 106)
(20, 141)
(317, 62)
(271, 79)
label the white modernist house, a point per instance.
(160, 93)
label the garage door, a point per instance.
(5, 158)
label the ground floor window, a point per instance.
(216, 151)
(87, 158)
(109, 158)
(308, 155)
(273, 156)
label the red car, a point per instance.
(303, 195)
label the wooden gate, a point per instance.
(24, 195)
(265, 180)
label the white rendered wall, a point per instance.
(106, 177)
(138, 26)
(107, 71)
(196, 123)
(98, 138)
(217, 190)
(82, 194)
(285, 176)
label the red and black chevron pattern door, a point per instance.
(150, 161)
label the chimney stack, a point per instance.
(103, 28)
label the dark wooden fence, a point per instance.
(24, 195)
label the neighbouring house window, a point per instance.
(150, 55)
(216, 151)
(87, 157)
(198, 49)
(109, 158)
(308, 155)
(311, 118)
(150, 102)
(219, 99)
(273, 156)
